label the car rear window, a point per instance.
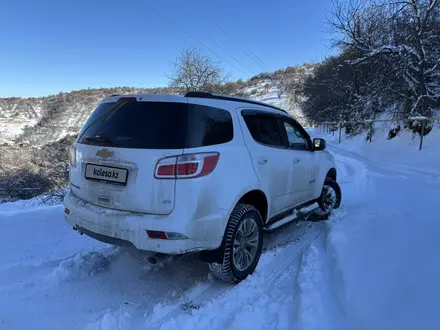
(138, 125)
(156, 125)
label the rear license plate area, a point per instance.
(107, 174)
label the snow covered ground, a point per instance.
(11, 129)
(373, 265)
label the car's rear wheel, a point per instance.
(241, 246)
(329, 199)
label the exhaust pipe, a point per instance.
(157, 257)
(78, 229)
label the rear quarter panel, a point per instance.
(232, 178)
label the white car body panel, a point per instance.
(272, 167)
(130, 197)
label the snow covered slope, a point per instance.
(273, 92)
(401, 153)
(16, 114)
(372, 266)
(43, 120)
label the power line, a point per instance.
(232, 56)
(246, 50)
(227, 52)
(189, 35)
(249, 52)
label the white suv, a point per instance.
(196, 173)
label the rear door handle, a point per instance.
(296, 160)
(262, 160)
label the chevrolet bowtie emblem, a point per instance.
(104, 153)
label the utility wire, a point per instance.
(232, 56)
(227, 52)
(249, 52)
(187, 34)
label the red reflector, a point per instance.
(67, 211)
(156, 234)
(166, 169)
(127, 99)
(187, 168)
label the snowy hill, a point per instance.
(16, 114)
(39, 121)
(42, 120)
(372, 265)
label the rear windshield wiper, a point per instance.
(100, 138)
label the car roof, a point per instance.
(148, 98)
(179, 98)
(204, 95)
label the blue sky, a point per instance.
(51, 46)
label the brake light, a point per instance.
(186, 166)
(127, 99)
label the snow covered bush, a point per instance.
(389, 55)
(19, 177)
(394, 131)
(27, 172)
(416, 127)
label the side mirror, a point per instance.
(319, 144)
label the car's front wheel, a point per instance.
(329, 199)
(241, 246)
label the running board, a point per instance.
(299, 215)
(281, 222)
(307, 210)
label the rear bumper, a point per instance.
(103, 238)
(126, 228)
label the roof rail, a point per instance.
(205, 95)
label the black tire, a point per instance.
(326, 210)
(227, 269)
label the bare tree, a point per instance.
(194, 71)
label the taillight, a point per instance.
(186, 166)
(166, 168)
(72, 156)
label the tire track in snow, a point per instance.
(273, 264)
(321, 303)
(95, 282)
(53, 272)
(356, 188)
(318, 304)
(396, 170)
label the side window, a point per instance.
(208, 126)
(264, 129)
(297, 140)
